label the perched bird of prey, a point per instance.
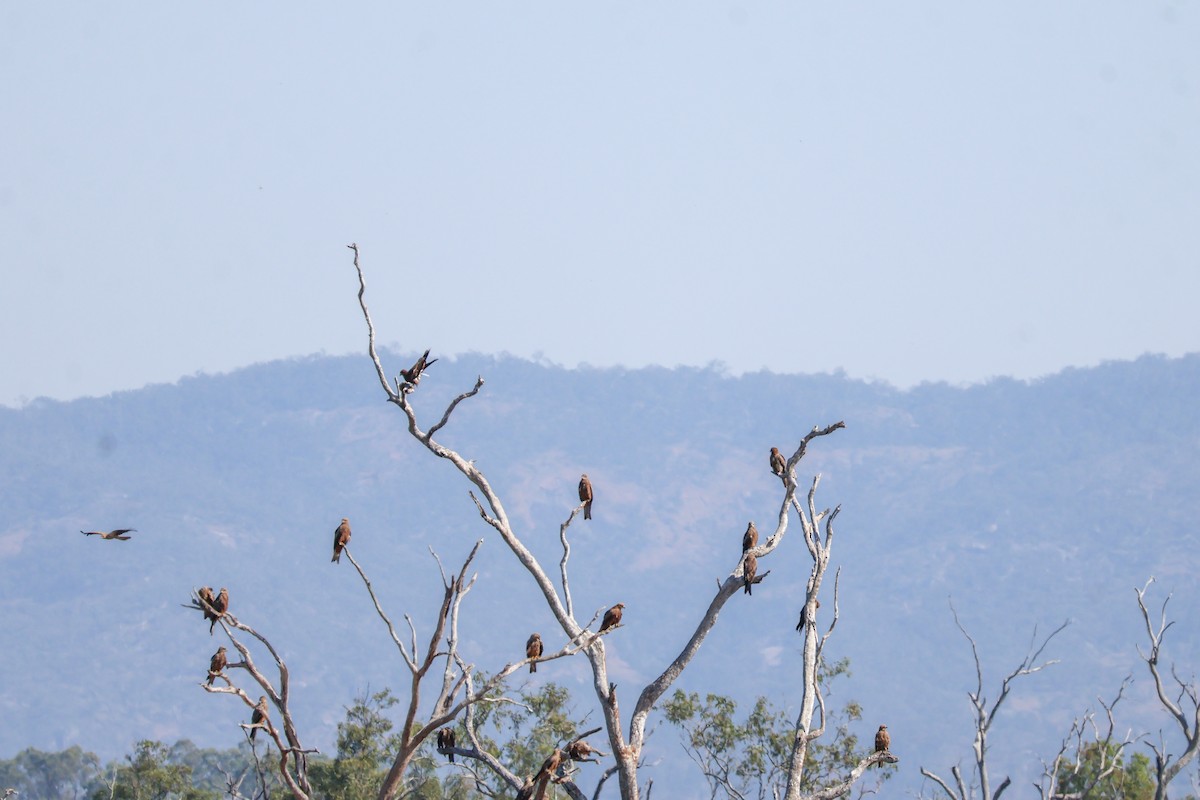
(579, 750)
(750, 537)
(804, 614)
(533, 649)
(585, 495)
(220, 606)
(413, 375)
(750, 568)
(341, 538)
(445, 741)
(883, 740)
(119, 533)
(778, 462)
(205, 593)
(259, 718)
(217, 664)
(612, 617)
(550, 765)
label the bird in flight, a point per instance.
(341, 537)
(585, 496)
(119, 533)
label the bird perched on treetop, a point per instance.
(119, 533)
(750, 569)
(259, 718)
(612, 617)
(750, 537)
(883, 740)
(778, 462)
(413, 376)
(220, 606)
(217, 664)
(533, 649)
(205, 593)
(585, 495)
(341, 537)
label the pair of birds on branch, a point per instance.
(214, 606)
(534, 647)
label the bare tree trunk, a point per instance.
(626, 752)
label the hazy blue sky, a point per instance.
(908, 191)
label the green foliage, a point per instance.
(365, 748)
(150, 775)
(39, 775)
(1130, 780)
(748, 758)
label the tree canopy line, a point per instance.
(527, 746)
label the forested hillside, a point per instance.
(1027, 504)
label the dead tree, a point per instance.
(1184, 707)
(985, 716)
(293, 758)
(1085, 735)
(626, 744)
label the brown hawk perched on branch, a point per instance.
(220, 606)
(804, 614)
(612, 617)
(750, 537)
(413, 375)
(259, 718)
(207, 598)
(778, 462)
(119, 533)
(883, 740)
(533, 649)
(341, 537)
(217, 664)
(750, 569)
(445, 742)
(585, 495)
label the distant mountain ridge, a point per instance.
(1025, 502)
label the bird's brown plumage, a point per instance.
(220, 606)
(750, 537)
(585, 495)
(804, 614)
(612, 617)
(341, 537)
(413, 375)
(119, 533)
(579, 750)
(533, 649)
(205, 593)
(883, 740)
(750, 569)
(259, 718)
(550, 765)
(445, 742)
(778, 462)
(217, 664)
